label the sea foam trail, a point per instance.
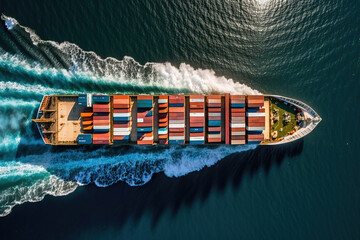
(26, 176)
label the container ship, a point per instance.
(173, 119)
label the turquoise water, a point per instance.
(305, 50)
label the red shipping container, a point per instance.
(176, 129)
(256, 119)
(87, 119)
(177, 109)
(101, 122)
(197, 124)
(163, 120)
(238, 101)
(147, 124)
(164, 124)
(238, 141)
(196, 110)
(144, 97)
(122, 110)
(163, 105)
(253, 136)
(164, 110)
(210, 140)
(255, 104)
(145, 142)
(238, 114)
(197, 105)
(200, 134)
(121, 125)
(121, 101)
(214, 118)
(121, 96)
(121, 105)
(237, 137)
(238, 130)
(176, 114)
(163, 136)
(177, 134)
(214, 109)
(100, 141)
(101, 117)
(237, 110)
(197, 119)
(214, 129)
(214, 105)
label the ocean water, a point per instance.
(308, 50)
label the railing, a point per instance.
(307, 128)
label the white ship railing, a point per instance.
(308, 126)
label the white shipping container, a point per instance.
(255, 128)
(257, 114)
(197, 114)
(121, 133)
(197, 138)
(176, 125)
(140, 120)
(101, 127)
(214, 114)
(196, 99)
(214, 135)
(121, 129)
(162, 101)
(176, 137)
(237, 125)
(238, 133)
(121, 114)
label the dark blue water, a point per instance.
(308, 50)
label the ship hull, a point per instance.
(117, 120)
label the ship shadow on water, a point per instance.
(120, 203)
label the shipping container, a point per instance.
(84, 139)
(101, 99)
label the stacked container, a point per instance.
(145, 120)
(255, 119)
(101, 119)
(197, 119)
(214, 118)
(163, 119)
(237, 120)
(121, 119)
(176, 119)
(87, 120)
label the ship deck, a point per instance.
(68, 119)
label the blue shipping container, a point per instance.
(101, 130)
(196, 130)
(176, 141)
(84, 138)
(101, 98)
(144, 129)
(197, 142)
(176, 104)
(252, 109)
(121, 119)
(214, 123)
(237, 105)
